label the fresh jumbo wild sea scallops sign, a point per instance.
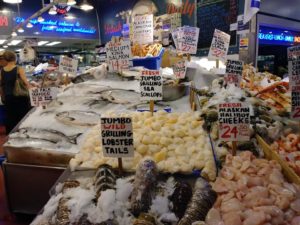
(151, 85)
(234, 122)
(117, 137)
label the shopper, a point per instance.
(16, 105)
(2, 61)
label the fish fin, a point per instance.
(73, 138)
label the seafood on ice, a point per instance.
(78, 118)
(253, 191)
(175, 141)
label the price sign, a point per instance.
(188, 40)
(68, 65)
(294, 77)
(143, 29)
(234, 121)
(151, 85)
(42, 96)
(219, 46)
(234, 72)
(118, 55)
(117, 137)
(179, 69)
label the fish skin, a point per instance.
(108, 95)
(69, 117)
(33, 142)
(45, 134)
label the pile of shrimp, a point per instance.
(288, 147)
(253, 191)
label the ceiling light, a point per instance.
(29, 25)
(69, 17)
(2, 42)
(14, 34)
(5, 11)
(14, 42)
(52, 11)
(18, 50)
(12, 1)
(53, 43)
(21, 30)
(40, 19)
(5, 46)
(71, 2)
(86, 6)
(36, 33)
(40, 43)
(1, 49)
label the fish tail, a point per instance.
(73, 138)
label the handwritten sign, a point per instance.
(188, 40)
(118, 55)
(68, 65)
(117, 137)
(151, 85)
(234, 121)
(234, 72)
(219, 46)
(294, 77)
(143, 29)
(42, 96)
(179, 69)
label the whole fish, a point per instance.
(120, 96)
(79, 118)
(96, 103)
(144, 187)
(45, 134)
(31, 142)
(105, 178)
(202, 201)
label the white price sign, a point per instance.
(117, 137)
(42, 96)
(143, 29)
(234, 122)
(188, 40)
(219, 46)
(68, 65)
(234, 72)
(151, 85)
(118, 55)
(179, 69)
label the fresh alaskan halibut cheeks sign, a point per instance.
(117, 137)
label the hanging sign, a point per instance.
(118, 55)
(151, 85)
(234, 72)
(42, 96)
(234, 122)
(68, 65)
(219, 46)
(143, 29)
(179, 69)
(117, 137)
(186, 39)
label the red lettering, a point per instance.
(3, 21)
(186, 8)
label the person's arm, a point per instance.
(23, 77)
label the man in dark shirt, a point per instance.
(2, 61)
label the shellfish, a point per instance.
(105, 178)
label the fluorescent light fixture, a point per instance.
(14, 42)
(71, 2)
(1, 49)
(69, 17)
(86, 6)
(52, 11)
(41, 43)
(5, 46)
(53, 43)
(21, 30)
(29, 25)
(12, 1)
(36, 33)
(40, 19)
(14, 34)
(2, 42)
(5, 11)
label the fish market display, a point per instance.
(120, 96)
(143, 187)
(288, 148)
(148, 50)
(175, 141)
(253, 191)
(79, 118)
(202, 201)
(144, 199)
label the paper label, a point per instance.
(234, 72)
(42, 96)
(179, 69)
(151, 85)
(118, 55)
(68, 65)
(117, 137)
(186, 39)
(234, 122)
(219, 46)
(143, 29)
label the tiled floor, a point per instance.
(6, 218)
